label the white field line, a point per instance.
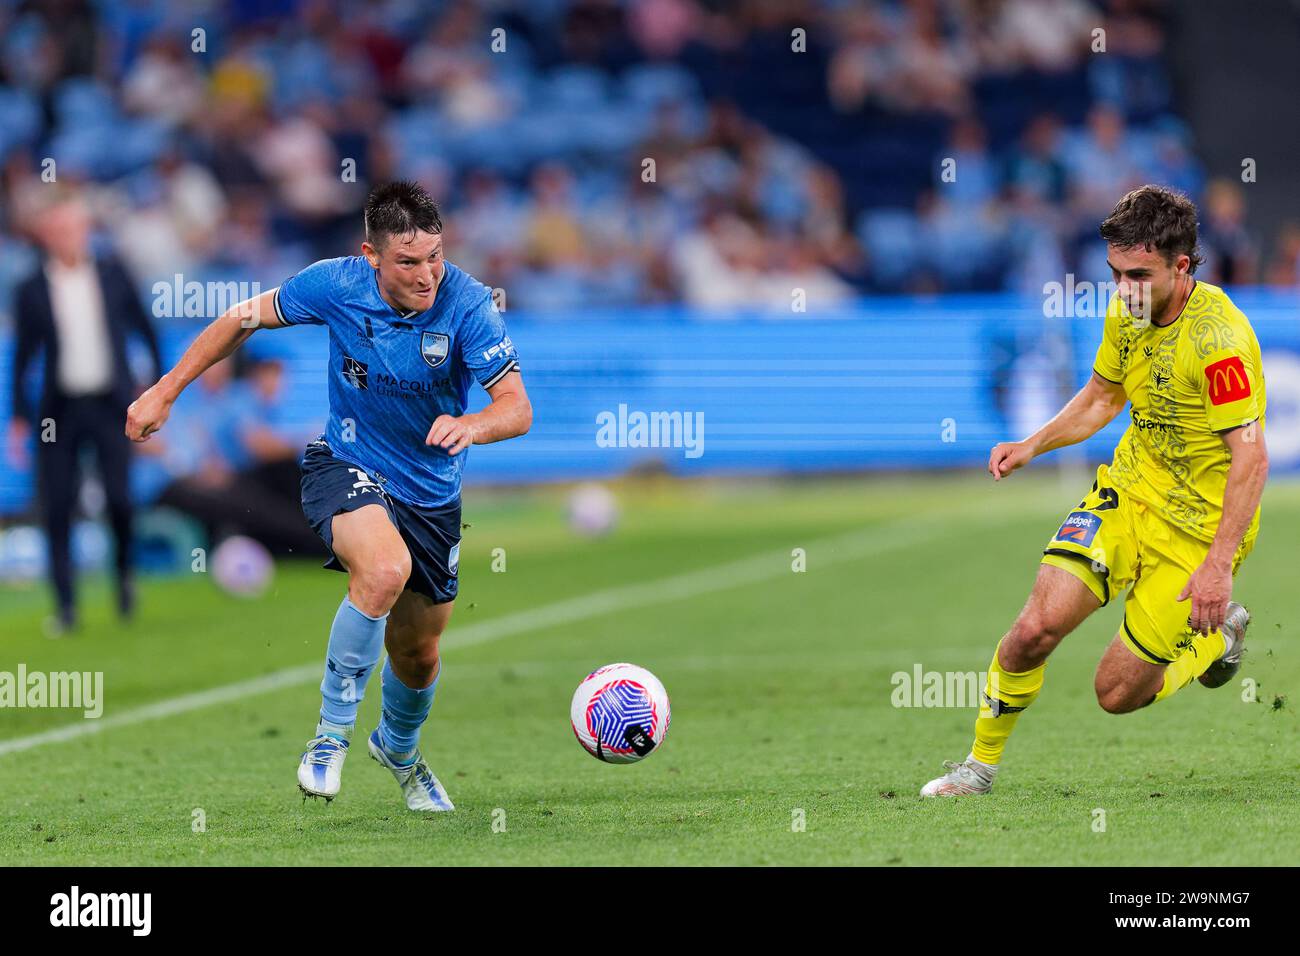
(289, 677)
(867, 542)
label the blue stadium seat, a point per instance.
(20, 118)
(892, 238)
(653, 84)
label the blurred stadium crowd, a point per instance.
(216, 138)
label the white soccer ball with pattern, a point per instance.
(243, 567)
(620, 713)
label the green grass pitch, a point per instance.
(780, 683)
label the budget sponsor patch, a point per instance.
(1079, 527)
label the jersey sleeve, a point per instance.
(1107, 363)
(1230, 387)
(485, 346)
(302, 299)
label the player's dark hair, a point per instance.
(402, 209)
(1154, 217)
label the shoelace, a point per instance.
(423, 776)
(964, 772)
(322, 751)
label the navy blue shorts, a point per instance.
(331, 486)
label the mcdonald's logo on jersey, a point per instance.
(1228, 381)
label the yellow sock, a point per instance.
(1012, 694)
(1204, 650)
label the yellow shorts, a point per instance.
(1112, 541)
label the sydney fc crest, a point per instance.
(434, 347)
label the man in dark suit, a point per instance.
(79, 311)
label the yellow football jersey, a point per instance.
(1185, 382)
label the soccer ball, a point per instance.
(620, 713)
(593, 510)
(242, 567)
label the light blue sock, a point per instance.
(341, 732)
(404, 712)
(356, 640)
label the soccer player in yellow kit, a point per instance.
(1174, 514)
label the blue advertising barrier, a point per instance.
(891, 383)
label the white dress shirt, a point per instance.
(85, 354)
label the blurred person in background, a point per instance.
(1284, 270)
(79, 310)
(224, 463)
(267, 457)
(1230, 252)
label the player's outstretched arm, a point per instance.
(222, 336)
(509, 415)
(1093, 408)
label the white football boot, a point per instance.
(1234, 635)
(320, 773)
(968, 777)
(419, 786)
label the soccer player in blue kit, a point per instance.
(409, 333)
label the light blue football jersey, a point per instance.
(392, 373)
